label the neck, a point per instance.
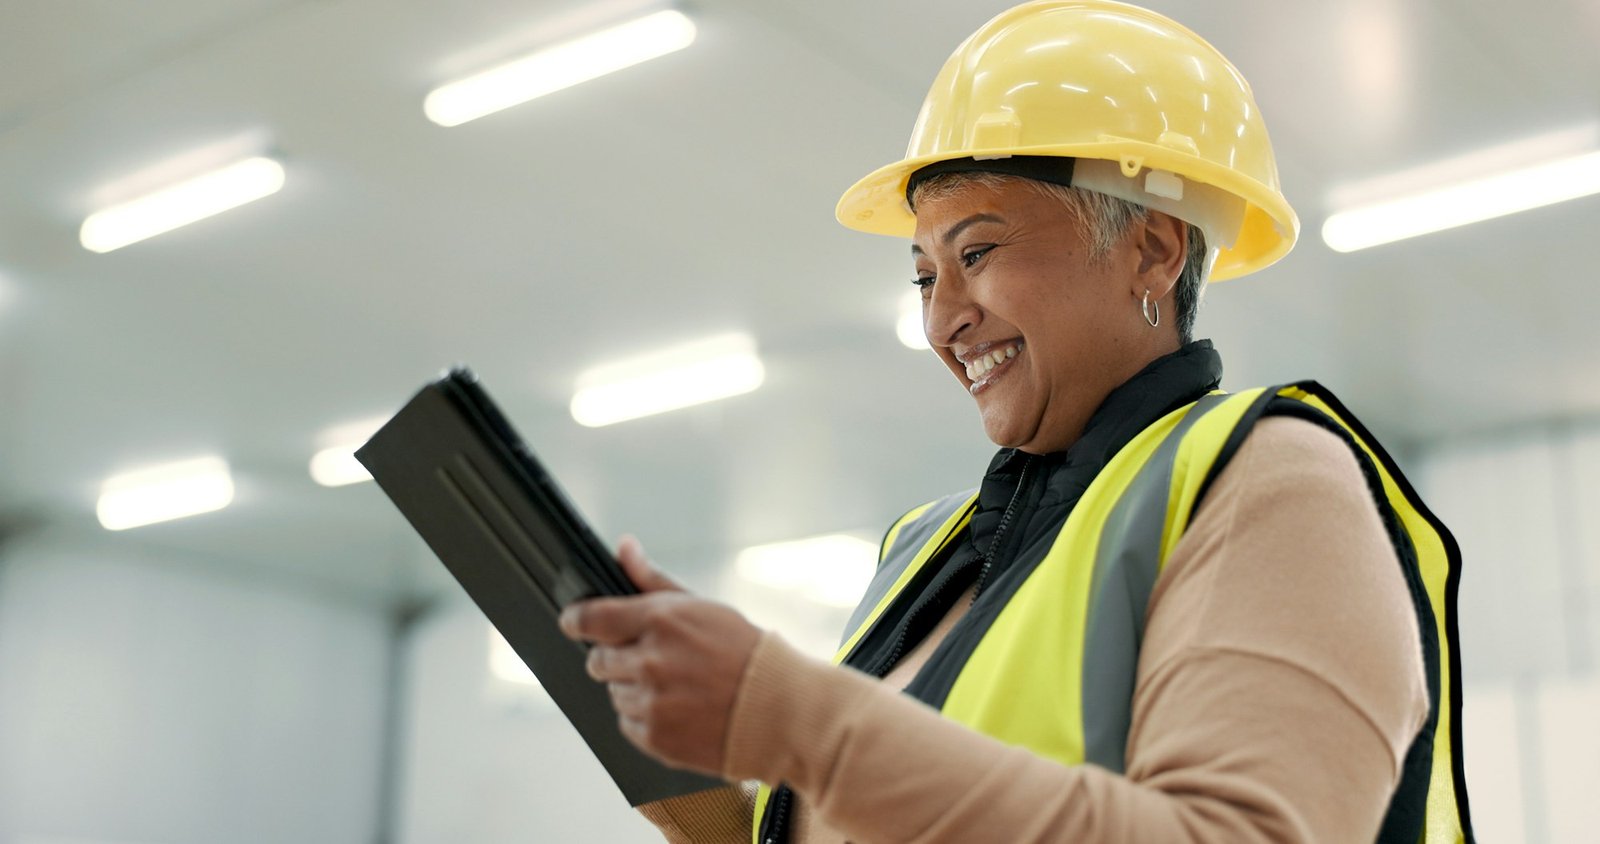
(1141, 391)
(1061, 434)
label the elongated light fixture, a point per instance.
(1470, 201)
(909, 326)
(181, 204)
(833, 570)
(681, 376)
(166, 492)
(558, 67)
(336, 465)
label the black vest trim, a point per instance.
(1425, 617)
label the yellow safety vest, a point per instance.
(1121, 532)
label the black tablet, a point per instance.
(499, 522)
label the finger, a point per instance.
(643, 573)
(597, 663)
(605, 621)
(630, 700)
(613, 665)
(634, 730)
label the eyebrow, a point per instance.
(955, 230)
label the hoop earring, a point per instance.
(1145, 309)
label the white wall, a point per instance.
(143, 701)
(491, 761)
(1526, 511)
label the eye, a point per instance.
(923, 282)
(973, 256)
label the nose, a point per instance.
(949, 312)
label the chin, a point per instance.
(1002, 435)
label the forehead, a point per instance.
(954, 203)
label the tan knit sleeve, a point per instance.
(1279, 684)
(718, 816)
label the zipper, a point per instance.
(951, 580)
(1000, 531)
(777, 827)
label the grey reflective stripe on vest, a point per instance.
(912, 536)
(1126, 566)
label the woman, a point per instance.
(1167, 613)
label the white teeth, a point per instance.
(982, 365)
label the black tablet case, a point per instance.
(497, 520)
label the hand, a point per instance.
(671, 661)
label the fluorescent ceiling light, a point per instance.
(694, 373)
(181, 204)
(833, 569)
(560, 66)
(1470, 189)
(336, 465)
(163, 493)
(909, 326)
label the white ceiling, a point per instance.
(686, 196)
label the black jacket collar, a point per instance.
(1167, 383)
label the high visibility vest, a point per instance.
(1055, 670)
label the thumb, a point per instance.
(640, 570)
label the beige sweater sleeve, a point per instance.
(719, 816)
(1279, 685)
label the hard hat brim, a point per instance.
(877, 204)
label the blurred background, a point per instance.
(296, 667)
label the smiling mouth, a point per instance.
(988, 367)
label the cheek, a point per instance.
(1069, 332)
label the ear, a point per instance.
(1163, 243)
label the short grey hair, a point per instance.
(1105, 220)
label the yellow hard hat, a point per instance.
(1138, 106)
